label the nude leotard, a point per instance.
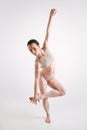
(47, 61)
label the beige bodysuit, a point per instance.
(47, 64)
(47, 61)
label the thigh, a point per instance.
(55, 84)
(42, 83)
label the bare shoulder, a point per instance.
(44, 47)
(45, 43)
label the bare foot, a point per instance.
(48, 120)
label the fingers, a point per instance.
(33, 100)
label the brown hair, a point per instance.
(33, 41)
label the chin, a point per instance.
(36, 54)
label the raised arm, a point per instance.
(52, 13)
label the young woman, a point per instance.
(44, 71)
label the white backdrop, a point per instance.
(21, 20)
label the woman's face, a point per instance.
(34, 49)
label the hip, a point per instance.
(48, 73)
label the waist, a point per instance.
(48, 73)
(48, 70)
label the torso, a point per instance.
(47, 64)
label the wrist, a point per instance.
(35, 94)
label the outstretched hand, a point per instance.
(33, 100)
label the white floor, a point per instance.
(25, 116)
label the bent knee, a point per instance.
(45, 100)
(62, 93)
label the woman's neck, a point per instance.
(42, 53)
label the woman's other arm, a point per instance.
(36, 83)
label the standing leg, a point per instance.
(43, 89)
